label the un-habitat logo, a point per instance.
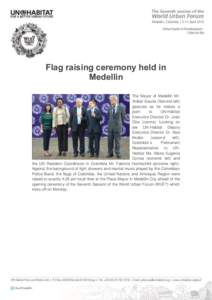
(29, 40)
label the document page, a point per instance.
(106, 150)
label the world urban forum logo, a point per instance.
(29, 40)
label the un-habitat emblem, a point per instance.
(29, 40)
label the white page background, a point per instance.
(107, 232)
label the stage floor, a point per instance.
(37, 149)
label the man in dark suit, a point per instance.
(78, 123)
(94, 118)
(116, 116)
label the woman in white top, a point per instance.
(60, 124)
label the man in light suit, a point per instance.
(78, 124)
(94, 117)
(116, 116)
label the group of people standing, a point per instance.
(77, 121)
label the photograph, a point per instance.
(80, 126)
